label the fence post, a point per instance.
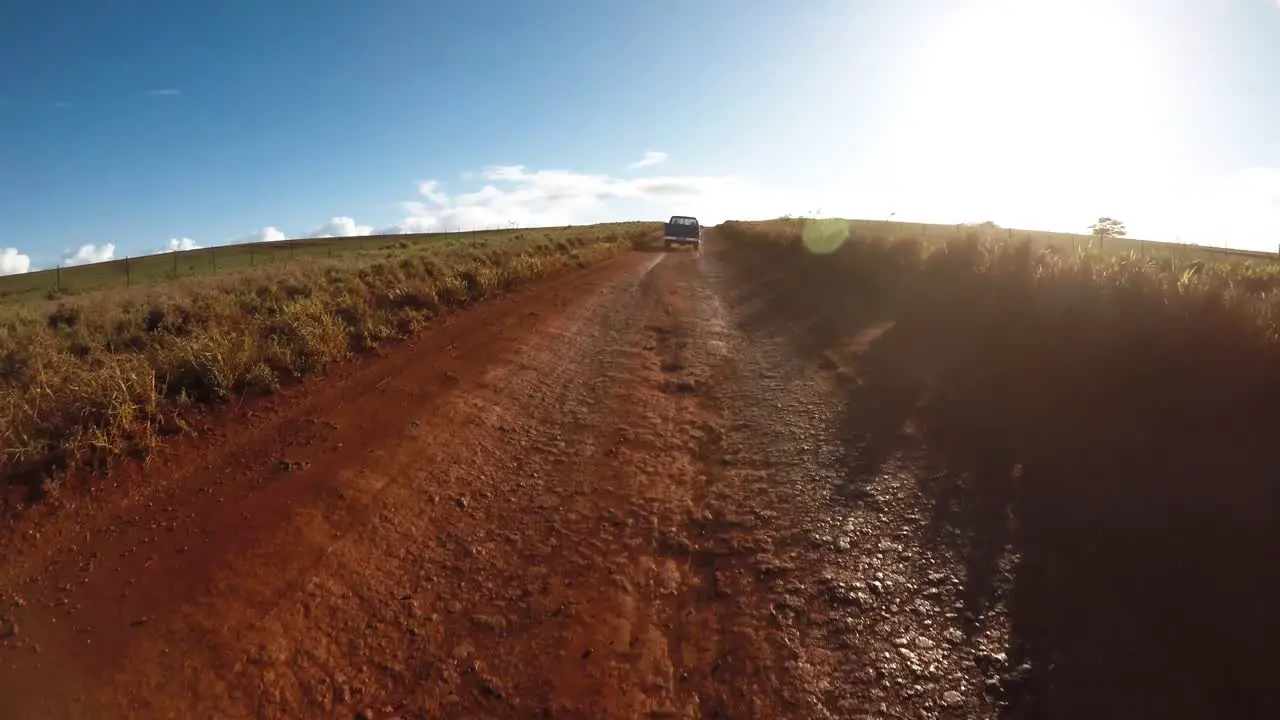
(250, 258)
(175, 264)
(57, 275)
(213, 253)
(126, 271)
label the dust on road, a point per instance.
(603, 496)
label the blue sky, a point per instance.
(130, 127)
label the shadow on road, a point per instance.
(1142, 563)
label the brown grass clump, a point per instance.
(93, 379)
(1107, 421)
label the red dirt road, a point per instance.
(611, 495)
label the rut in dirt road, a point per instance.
(608, 496)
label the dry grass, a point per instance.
(94, 378)
(1068, 242)
(1107, 419)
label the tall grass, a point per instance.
(1108, 421)
(96, 378)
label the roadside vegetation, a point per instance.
(1096, 431)
(92, 378)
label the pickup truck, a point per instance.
(682, 230)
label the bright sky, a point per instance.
(130, 128)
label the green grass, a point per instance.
(94, 377)
(166, 267)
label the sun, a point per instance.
(1022, 102)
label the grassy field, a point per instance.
(1104, 420)
(1039, 240)
(102, 374)
(166, 267)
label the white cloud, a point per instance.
(502, 172)
(163, 92)
(339, 227)
(266, 234)
(515, 195)
(651, 158)
(13, 262)
(178, 245)
(430, 189)
(87, 254)
(414, 224)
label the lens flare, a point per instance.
(823, 237)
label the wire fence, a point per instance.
(151, 269)
(1069, 242)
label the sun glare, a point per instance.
(1014, 104)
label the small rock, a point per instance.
(453, 606)
(991, 659)
(925, 643)
(951, 698)
(8, 629)
(489, 686)
(489, 622)
(683, 386)
(846, 596)
(461, 503)
(341, 691)
(365, 714)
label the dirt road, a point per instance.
(612, 495)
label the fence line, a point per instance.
(1071, 241)
(147, 269)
